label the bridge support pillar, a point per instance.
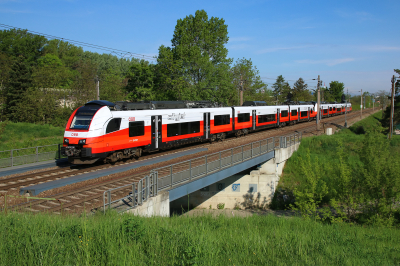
(244, 190)
(154, 206)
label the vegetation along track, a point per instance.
(88, 195)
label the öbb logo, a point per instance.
(74, 134)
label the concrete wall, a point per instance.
(154, 206)
(246, 190)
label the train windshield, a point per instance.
(84, 116)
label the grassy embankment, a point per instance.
(116, 239)
(26, 135)
(355, 167)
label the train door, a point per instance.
(254, 119)
(298, 114)
(289, 116)
(308, 114)
(156, 129)
(278, 116)
(206, 119)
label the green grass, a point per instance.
(24, 135)
(116, 239)
(325, 147)
(361, 147)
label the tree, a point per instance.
(281, 89)
(20, 81)
(50, 72)
(5, 67)
(18, 43)
(68, 53)
(336, 90)
(141, 82)
(300, 91)
(83, 88)
(196, 67)
(245, 71)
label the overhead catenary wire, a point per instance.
(122, 53)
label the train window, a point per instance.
(243, 117)
(303, 113)
(325, 111)
(183, 128)
(284, 113)
(136, 129)
(339, 109)
(113, 125)
(266, 118)
(330, 108)
(293, 112)
(334, 108)
(194, 127)
(221, 120)
(173, 130)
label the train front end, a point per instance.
(83, 137)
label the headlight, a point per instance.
(66, 141)
(82, 141)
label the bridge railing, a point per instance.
(138, 193)
(172, 175)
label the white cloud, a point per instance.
(358, 15)
(381, 48)
(275, 49)
(328, 62)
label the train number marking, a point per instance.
(74, 134)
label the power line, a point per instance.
(122, 53)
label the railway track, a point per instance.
(90, 196)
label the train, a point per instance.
(105, 131)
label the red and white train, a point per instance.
(101, 130)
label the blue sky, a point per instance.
(355, 42)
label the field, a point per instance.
(115, 239)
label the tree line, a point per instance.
(42, 80)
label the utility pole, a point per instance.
(319, 104)
(241, 91)
(373, 102)
(361, 105)
(392, 108)
(345, 112)
(98, 87)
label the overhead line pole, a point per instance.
(241, 91)
(98, 87)
(319, 104)
(361, 105)
(392, 108)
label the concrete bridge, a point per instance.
(222, 177)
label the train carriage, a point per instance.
(101, 130)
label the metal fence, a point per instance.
(169, 176)
(30, 155)
(139, 192)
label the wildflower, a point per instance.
(79, 236)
